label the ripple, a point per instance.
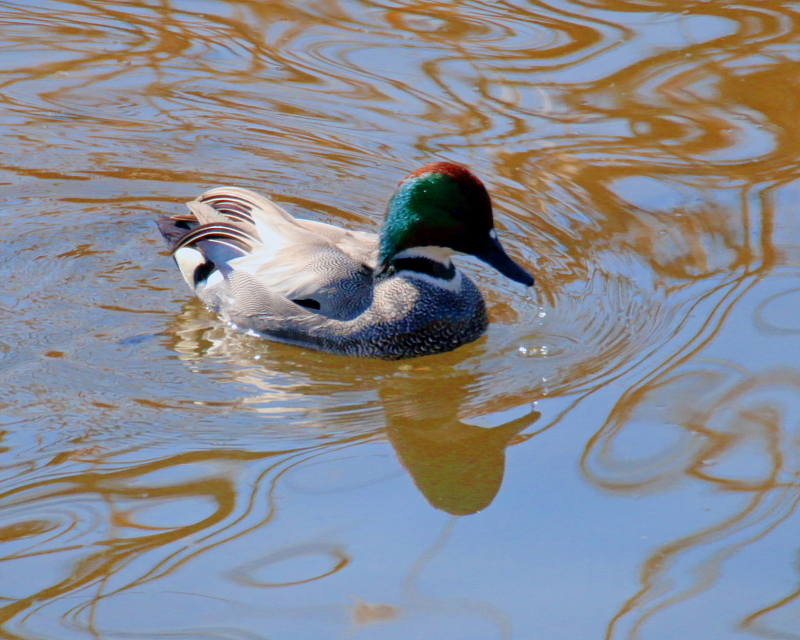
(334, 475)
(295, 565)
(632, 150)
(777, 315)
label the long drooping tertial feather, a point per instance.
(315, 265)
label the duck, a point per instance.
(392, 295)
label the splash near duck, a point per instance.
(393, 295)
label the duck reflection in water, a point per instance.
(458, 467)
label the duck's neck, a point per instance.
(433, 262)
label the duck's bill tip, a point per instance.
(520, 275)
(494, 254)
(527, 279)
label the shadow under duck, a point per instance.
(393, 295)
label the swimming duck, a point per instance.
(393, 295)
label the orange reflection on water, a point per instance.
(624, 442)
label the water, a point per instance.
(617, 458)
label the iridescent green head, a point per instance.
(444, 205)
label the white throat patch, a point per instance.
(436, 254)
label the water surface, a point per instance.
(617, 458)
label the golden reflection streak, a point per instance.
(655, 569)
(709, 330)
(96, 568)
(98, 565)
(782, 161)
(740, 275)
(715, 59)
(764, 27)
(765, 503)
(178, 558)
(755, 623)
(595, 177)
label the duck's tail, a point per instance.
(219, 227)
(174, 228)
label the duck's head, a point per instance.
(442, 208)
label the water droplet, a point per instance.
(538, 351)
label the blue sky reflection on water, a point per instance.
(617, 458)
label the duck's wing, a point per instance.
(231, 230)
(360, 245)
